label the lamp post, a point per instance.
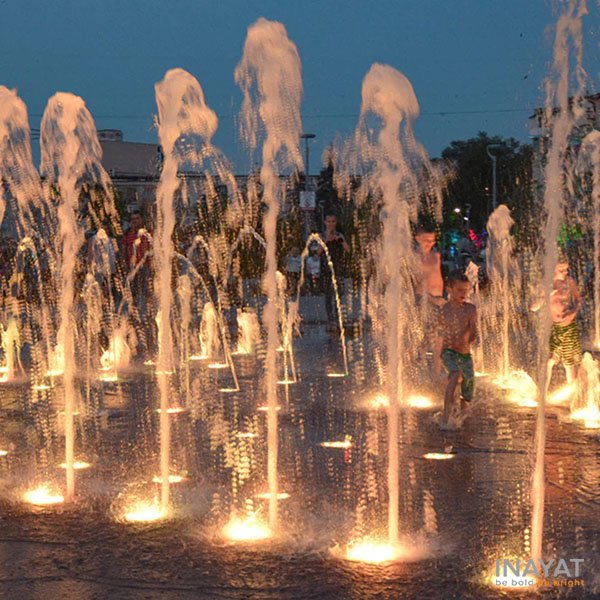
(489, 148)
(306, 137)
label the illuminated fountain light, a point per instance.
(590, 415)
(520, 387)
(439, 455)
(246, 529)
(41, 387)
(231, 390)
(197, 357)
(172, 479)
(267, 496)
(562, 394)
(107, 374)
(368, 550)
(43, 495)
(344, 444)
(173, 410)
(246, 435)
(145, 511)
(3, 453)
(78, 465)
(265, 408)
(3, 377)
(419, 401)
(218, 365)
(380, 400)
(285, 382)
(334, 375)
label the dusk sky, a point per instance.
(474, 64)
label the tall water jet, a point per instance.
(560, 115)
(71, 158)
(186, 126)
(499, 258)
(270, 77)
(16, 163)
(388, 94)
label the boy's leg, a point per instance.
(453, 380)
(468, 381)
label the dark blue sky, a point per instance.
(474, 60)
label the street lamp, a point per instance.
(494, 187)
(306, 137)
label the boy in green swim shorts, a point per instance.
(458, 332)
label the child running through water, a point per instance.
(565, 344)
(458, 332)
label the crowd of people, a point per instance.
(321, 270)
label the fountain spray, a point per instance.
(70, 157)
(388, 94)
(270, 77)
(182, 115)
(568, 28)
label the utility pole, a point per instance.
(306, 137)
(494, 184)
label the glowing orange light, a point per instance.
(172, 410)
(144, 511)
(439, 455)
(373, 551)
(43, 496)
(345, 443)
(267, 496)
(172, 479)
(418, 401)
(77, 465)
(246, 530)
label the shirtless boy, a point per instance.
(458, 332)
(429, 272)
(429, 286)
(565, 344)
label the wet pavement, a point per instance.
(461, 514)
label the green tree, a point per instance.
(471, 183)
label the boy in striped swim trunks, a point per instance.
(565, 344)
